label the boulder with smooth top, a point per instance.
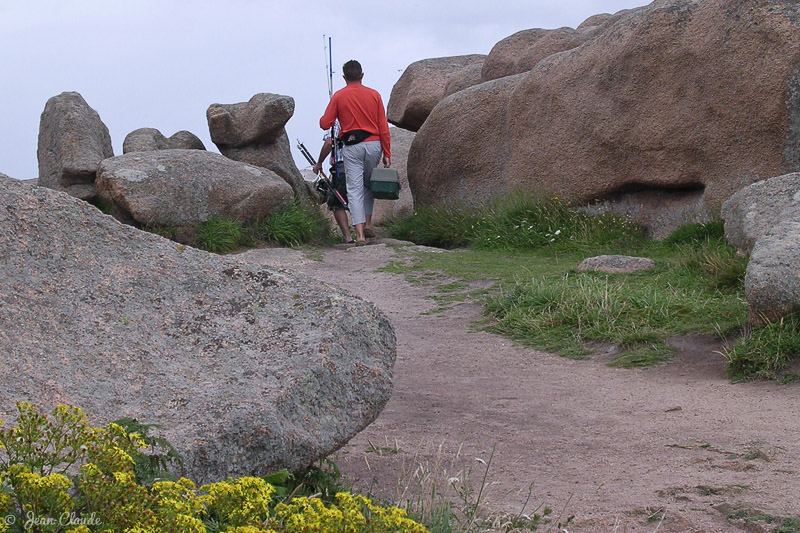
(425, 83)
(148, 139)
(187, 187)
(247, 369)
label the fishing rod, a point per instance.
(328, 65)
(321, 175)
(334, 139)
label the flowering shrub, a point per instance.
(58, 474)
(350, 514)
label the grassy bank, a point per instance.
(531, 245)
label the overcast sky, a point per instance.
(161, 63)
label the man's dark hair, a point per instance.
(352, 70)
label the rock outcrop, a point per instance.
(521, 52)
(423, 85)
(469, 76)
(253, 132)
(772, 281)
(72, 143)
(148, 139)
(763, 219)
(385, 210)
(451, 157)
(755, 210)
(187, 187)
(246, 368)
(661, 102)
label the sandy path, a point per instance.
(610, 446)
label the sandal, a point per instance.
(368, 233)
(361, 242)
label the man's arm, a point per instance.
(329, 117)
(323, 153)
(383, 133)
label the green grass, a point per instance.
(698, 233)
(220, 235)
(541, 301)
(297, 223)
(787, 525)
(515, 222)
(448, 225)
(766, 351)
(530, 246)
(637, 312)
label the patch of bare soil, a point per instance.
(675, 448)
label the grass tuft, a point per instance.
(716, 265)
(297, 223)
(448, 225)
(698, 233)
(220, 235)
(766, 351)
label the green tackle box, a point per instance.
(385, 184)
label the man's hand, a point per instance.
(317, 168)
(387, 161)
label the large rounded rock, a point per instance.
(72, 143)
(386, 210)
(469, 76)
(187, 187)
(276, 157)
(185, 140)
(758, 208)
(522, 51)
(661, 102)
(423, 84)
(148, 139)
(260, 120)
(144, 140)
(602, 19)
(253, 132)
(247, 369)
(456, 143)
(772, 281)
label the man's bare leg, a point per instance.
(344, 226)
(368, 227)
(360, 232)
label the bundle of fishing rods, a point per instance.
(323, 183)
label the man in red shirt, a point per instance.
(365, 134)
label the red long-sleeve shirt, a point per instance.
(359, 108)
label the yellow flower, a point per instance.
(125, 478)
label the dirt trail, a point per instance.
(618, 449)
